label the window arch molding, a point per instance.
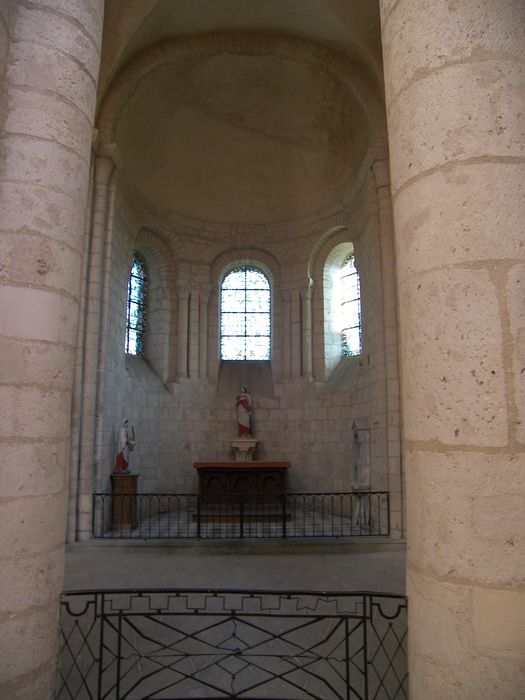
(159, 331)
(246, 262)
(221, 266)
(337, 244)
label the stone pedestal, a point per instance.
(360, 455)
(124, 503)
(244, 448)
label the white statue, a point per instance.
(126, 444)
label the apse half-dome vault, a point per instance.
(240, 137)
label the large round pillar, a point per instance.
(49, 61)
(455, 77)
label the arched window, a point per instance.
(337, 322)
(136, 308)
(349, 302)
(245, 315)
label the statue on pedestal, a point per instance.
(126, 444)
(244, 412)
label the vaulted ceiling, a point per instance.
(350, 26)
(248, 111)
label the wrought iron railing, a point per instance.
(290, 515)
(285, 645)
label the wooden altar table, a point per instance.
(237, 478)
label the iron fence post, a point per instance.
(241, 516)
(198, 515)
(94, 515)
(119, 653)
(99, 598)
(367, 611)
(347, 655)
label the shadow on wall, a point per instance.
(344, 376)
(141, 373)
(256, 375)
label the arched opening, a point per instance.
(245, 315)
(136, 306)
(347, 300)
(342, 306)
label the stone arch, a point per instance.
(332, 301)
(326, 236)
(236, 257)
(157, 249)
(333, 246)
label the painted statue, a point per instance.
(244, 412)
(126, 444)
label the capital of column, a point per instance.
(182, 290)
(104, 165)
(307, 288)
(381, 170)
(204, 292)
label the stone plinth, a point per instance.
(360, 455)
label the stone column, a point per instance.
(213, 334)
(194, 334)
(286, 331)
(99, 253)
(183, 297)
(78, 373)
(381, 217)
(50, 54)
(455, 101)
(296, 333)
(203, 332)
(307, 369)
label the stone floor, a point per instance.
(371, 564)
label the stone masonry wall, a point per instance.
(179, 420)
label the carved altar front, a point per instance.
(237, 478)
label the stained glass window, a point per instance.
(136, 313)
(245, 315)
(350, 300)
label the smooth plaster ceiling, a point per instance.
(233, 137)
(241, 138)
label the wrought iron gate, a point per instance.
(284, 645)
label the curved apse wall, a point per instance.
(241, 137)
